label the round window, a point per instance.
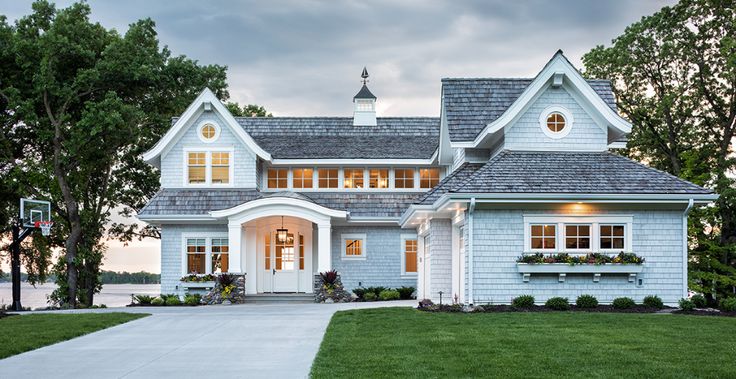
(555, 122)
(208, 131)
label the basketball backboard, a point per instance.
(33, 212)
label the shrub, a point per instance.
(173, 300)
(359, 292)
(728, 305)
(623, 303)
(699, 301)
(523, 301)
(406, 293)
(157, 301)
(557, 303)
(686, 305)
(389, 295)
(376, 290)
(370, 296)
(226, 280)
(192, 299)
(328, 277)
(586, 301)
(143, 299)
(653, 301)
(167, 296)
(103, 306)
(425, 303)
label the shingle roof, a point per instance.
(571, 172)
(364, 93)
(472, 103)
(336, 137)
(202, 201)
(456, 178)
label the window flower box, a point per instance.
(562, 269)
(198, 285)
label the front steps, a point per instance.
(279, 298)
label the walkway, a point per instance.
(236, 341)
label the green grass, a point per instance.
(400, 342)
(27, 332)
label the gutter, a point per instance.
(471, 210)
(689, 206)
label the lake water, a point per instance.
(112, 295)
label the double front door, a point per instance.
(285, 262)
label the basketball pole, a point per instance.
(19, 234)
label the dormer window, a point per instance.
(556, 122)
(208, 131)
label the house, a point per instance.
(456, 205)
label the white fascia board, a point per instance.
(444, 148)
(277, 201)
(206, 96)
(350, 162)
(617, 145)
(373, 220)
(567, 197)
(412, 211)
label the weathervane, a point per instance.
(364, 75)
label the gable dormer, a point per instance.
(364, 104)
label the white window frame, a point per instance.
(341, 178)
(564, 237)
(208, 166)
(214, 138)
(364, 246)
(208, 237)
(593, 221)
(569, 121)
(404, 238)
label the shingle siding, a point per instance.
(171, 252)
(440, 267)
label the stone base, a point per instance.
(237, 296)
(336, 294)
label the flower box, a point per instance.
(562, 269)
(197, 285)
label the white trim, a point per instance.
(279, 201)
(201, 136)
(404, 238)
(363, 247)
(208, 150)
(567, 219)
(617, 145)
(207, 236)
(566, 114)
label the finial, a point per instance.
(364, 75)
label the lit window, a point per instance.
(429, 177)
(410, 256)
(267, 252)
(577, 237)
(196, 255)
(328, 177)
(197, 164)
(353, 247)
(543, 236)
(353, 178)
(284, 253)
(220, 255)
(278, 178)
(208, 131)
(302, 177)
(612, 236)
(555, 122)
(404, 178)
(378, 178)
(220, 167)
(301, 252)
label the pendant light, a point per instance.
(282, 233)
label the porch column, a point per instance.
(234, 236)
(324, 248)
(250, 250)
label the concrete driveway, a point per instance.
(236, 341)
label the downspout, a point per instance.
(690, 204)
(471, 209)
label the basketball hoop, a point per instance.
(45, 227)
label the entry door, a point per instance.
(283, 263)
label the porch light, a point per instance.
(281, 233)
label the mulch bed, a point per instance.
(539, 308)
(703, 312)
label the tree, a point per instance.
(250, 110)
(674, 76)
(84, 102)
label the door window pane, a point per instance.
(267, 252)
(285, 254)
(404, 178)
(328, 177)
(378, 178)
(301, 252)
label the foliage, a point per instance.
(686, 305)
(406, 293)
(142, 277)
(226, 280)
(590, 258)
(370, 296)
(699, 301)
(389, 295)
(523, 301)
(728, 304)
(250, 110)
(329, 277)
(359, 292)
(425, 303)
(227, 291)
(142, 299)
(557, 303)
(586, 301)
(623, 303)
(158, 301)
(653, 301)
(173, 300)
(674, 77)
(192, 299)
(376, 290)
(195, 278)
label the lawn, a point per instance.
(27, 332)
(402, 342)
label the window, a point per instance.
(543, 237)
(278, 177)
(267, 252)
(404, 178)
(378, 178)
(364, 105)
(301, 252)
(353, 178)
(429, 177)
(353, 246)
(196, 250)
(328, 177)
(197, 162)
(220, 167)
(410, 256)
(220, 254)
(284, 253)
(612, 236)
(302, 177)
(208, 132)
(555, 122)
(577, 237)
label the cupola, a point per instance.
(364, 113)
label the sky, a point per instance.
(304, 58)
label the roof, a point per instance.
(452, 180)
(472, 103)
(195, 202)
(338, 138)
(571, 172)
(364, 93)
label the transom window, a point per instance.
(555, 122)
(197, 166)
(429, 177)
(544, 237)
(354, 178)
(328, 177)
(404, 178)
(207, 255)
(612, 236)
(303, 177)
(278, 178)
(577, 237)
(378, 178)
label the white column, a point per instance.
(324, 252)
(234, 236)
(250, 252)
